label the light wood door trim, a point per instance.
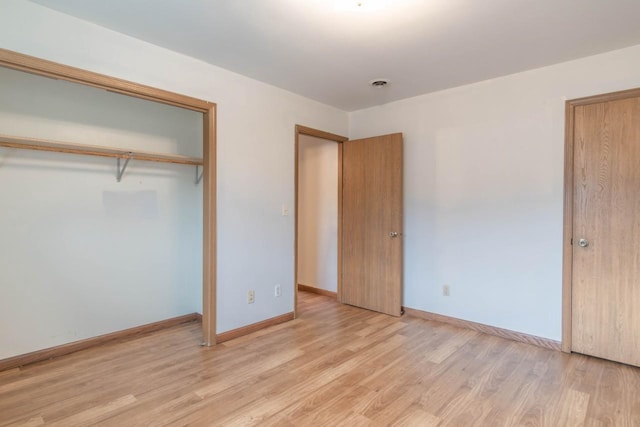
(567, 252)
(209, 240)
(304, 130)
(339, 251)
(567, 247)
(42, 67)
(54, 70)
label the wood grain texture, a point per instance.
(371, 210)
(567, 257)
(334, 365)
(314, 290)
(94, 150)
(606, 273)
(487, 329)
(61, 350)
(304, 130)
(246, 330)
(209, 224)
(605, 97)
(567, 229)
(42, 67)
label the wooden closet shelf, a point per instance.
(94, 150)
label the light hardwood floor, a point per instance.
(335, 365)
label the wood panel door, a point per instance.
(606, 230)
(371, 255)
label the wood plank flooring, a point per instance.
(334, 366)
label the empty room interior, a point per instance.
(320, 213)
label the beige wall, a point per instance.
(318, 213)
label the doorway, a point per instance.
(369, 221)
(318, 216)
(601, 284)
(318, 171)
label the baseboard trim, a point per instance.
(490, 330)
(246, 330)
(72, 347)
(318, 291)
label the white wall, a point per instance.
(483, 189)
(483, 172)
(255, 145)
(318, 213)
(84, 255)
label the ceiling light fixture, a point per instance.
(360, 6)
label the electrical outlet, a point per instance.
(278, 291)
(285, 210)
(251, 297)
(445, 290)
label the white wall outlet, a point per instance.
(251, 297)
(285, 210)
(278, 291)
(445, 290)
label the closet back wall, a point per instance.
(81, 254)
(318, 213)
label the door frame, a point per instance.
(42, 67)
(304, 130)
(567, 244)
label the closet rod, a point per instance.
(94, 150)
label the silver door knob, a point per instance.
(393, 234)
(583, 243)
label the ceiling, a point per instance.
(329, 50)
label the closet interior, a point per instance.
(103, 209)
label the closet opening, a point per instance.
(102, 183)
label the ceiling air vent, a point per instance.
(379, 82)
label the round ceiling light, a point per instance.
(379, 82)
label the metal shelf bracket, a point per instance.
(199, 174)
(124, 166)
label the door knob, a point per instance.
(393, 234)
(583, 243)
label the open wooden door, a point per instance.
(371, 255)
